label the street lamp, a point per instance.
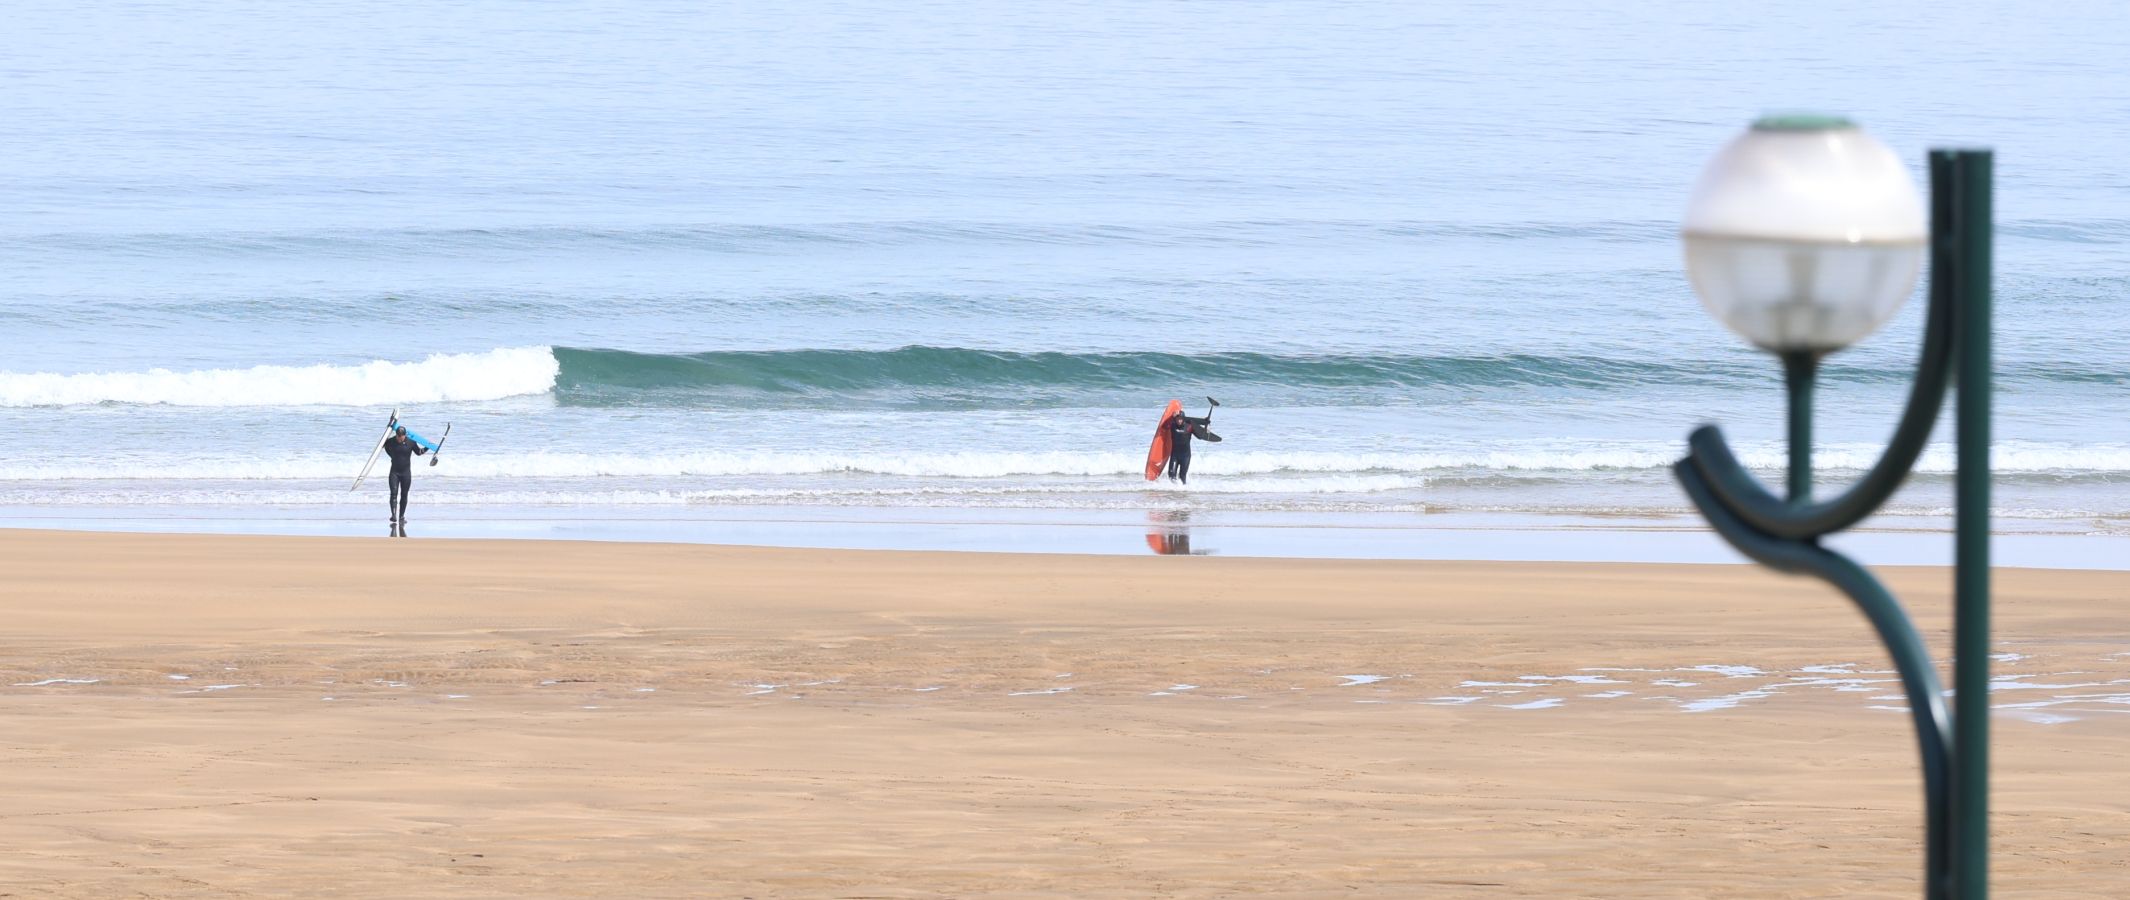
(1803, 236)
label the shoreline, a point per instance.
(1353, 535)
(196, 715)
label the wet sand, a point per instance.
(220, 716)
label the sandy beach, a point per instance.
(226, 716)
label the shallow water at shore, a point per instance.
(1345, 535)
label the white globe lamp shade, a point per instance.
(1805, 234)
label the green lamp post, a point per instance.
(1804, 235)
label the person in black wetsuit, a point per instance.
(403, 451)
(1181, 429)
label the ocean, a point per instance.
(669, 263)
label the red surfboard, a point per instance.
(1157, 456)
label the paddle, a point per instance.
(433, 454)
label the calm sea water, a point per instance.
(685, 256)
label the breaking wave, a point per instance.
(915, 374)
(443, 377)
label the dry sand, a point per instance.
(339, 717)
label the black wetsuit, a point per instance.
(401, 480)
(1181, 429)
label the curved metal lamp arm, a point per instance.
(1919, 676)
(1744, 495)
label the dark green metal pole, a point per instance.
(1967, 173)
(1786, 534)
(1798, 372)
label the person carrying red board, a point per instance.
(1181, 429)
(1171, 449)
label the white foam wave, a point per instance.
(955, 494)
(475, 459)
(1366, 484)
(1284, 494)
(443, 377)
(2007, 458)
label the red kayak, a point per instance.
(1157, 456)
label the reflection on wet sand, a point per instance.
(1169, 533)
